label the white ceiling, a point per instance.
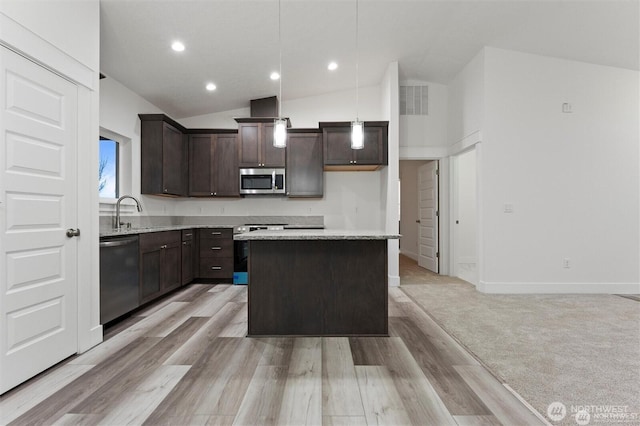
(234, 43)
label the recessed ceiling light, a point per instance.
(274, 76)
(332, 66)
(177, 46)
(211, 87)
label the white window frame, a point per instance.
(124, 169)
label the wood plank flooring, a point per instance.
(185, 361)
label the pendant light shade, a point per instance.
(280, 133)
(357, 131)
(357, 134)
(280, 124)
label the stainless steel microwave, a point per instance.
(262, 181)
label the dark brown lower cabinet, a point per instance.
(187, 254)
(318, 288)
(215, 256)
(160, 263)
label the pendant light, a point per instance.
(357, 126)
(280, 124)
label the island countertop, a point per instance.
(316, 234)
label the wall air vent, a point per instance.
(414, 100)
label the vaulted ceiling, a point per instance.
(234, 43)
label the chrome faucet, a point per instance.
(118, 223)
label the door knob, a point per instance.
(73, 232)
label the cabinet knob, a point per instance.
(165, 190)
(212, 193)
(164, 246)
(215, 193)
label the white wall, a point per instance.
(119, 109)
(389, 176)
(573, 179)
(418, 132)
(465, 224)
(466, 101)
(70, 25)
(351, 200)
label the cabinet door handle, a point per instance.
(188, 235)
(164, 246)
(216, 268)
(216, 233)
(216, 248)
(184, 243)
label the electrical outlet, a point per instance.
(508, 208)
(566, 263)
(567, 108)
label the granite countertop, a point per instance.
(147, 229)
(316, 234)
(160, 228)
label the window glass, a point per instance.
(108, 169)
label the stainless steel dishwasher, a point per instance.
(118, 276)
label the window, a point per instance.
(108, 181)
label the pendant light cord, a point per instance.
(280, 59)
(357, 63)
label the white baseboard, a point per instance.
(90, 339)
(394, 280)
(558, 288)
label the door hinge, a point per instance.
(437, 213)
(438, 255)
(437, 172)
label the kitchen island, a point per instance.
(317, 283)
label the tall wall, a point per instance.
(572, 178)
(424, 136)
(465, 214)
(466, 101)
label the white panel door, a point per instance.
(428, 214)
(38, 202)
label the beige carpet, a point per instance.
(581, 350)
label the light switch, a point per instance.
(508, 208)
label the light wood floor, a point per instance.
(185, 361)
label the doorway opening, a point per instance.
(419, 224)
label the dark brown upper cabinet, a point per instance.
(164, 155)
(305, 174)
(213, 165)
(338, 155)
(255, 144)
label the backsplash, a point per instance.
(107, 222)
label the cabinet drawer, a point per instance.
(213, 233)
(216, 247)
(216, 267)
(153, 240)
(187, 234)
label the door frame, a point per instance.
(28, 44)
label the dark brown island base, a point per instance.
(317, 283)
